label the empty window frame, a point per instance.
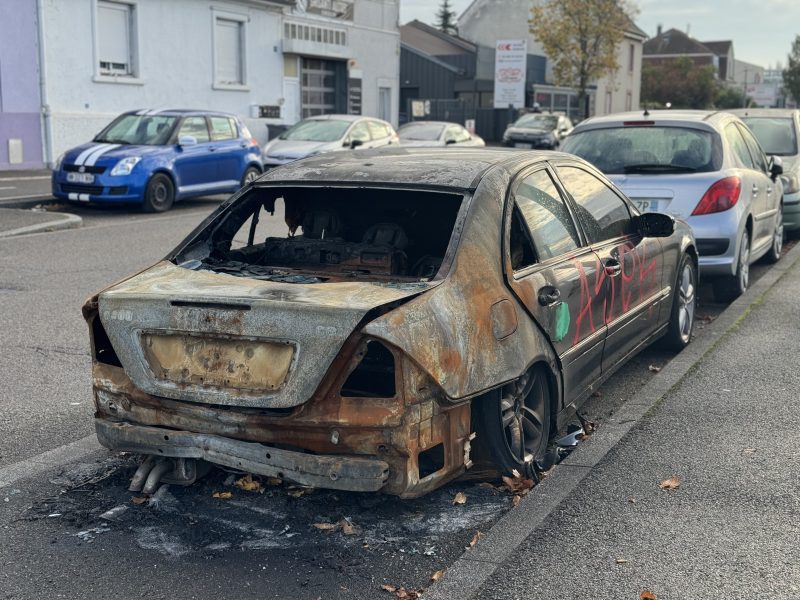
(115, 35)
(229, 55)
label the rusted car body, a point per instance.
(353, 356)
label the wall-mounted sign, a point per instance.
(267, 111)
(354, 96)
(509, 73)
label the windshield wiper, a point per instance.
(650, 167)
(107, 141)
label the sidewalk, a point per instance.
(15, 221)
(729, 429)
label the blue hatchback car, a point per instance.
(155, 157)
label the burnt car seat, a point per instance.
(321, 224)
(386, 234)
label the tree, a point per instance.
(446, 18)
(730, 97)
(581, 38)
(791, 74)
(680, 83)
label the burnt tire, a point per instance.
(159, 195)
(514, 423)
(250, 175)
(684, 303)
(730, 287)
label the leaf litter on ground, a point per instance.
(673, 483)
(248, 484)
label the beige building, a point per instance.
(486, 21)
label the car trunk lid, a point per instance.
(214, 338)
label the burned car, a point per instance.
(374, 322)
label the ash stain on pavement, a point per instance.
(183, 521)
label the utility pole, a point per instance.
(744, 91)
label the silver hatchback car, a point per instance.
(705, 167)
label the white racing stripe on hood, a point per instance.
(95, 155)
(85, 154)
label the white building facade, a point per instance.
(270, 62)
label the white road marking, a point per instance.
(5, 179)
(35, 465)
(9, 187)
(44, 196)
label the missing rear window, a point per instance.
(314, 235)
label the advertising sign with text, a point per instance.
(509, 73)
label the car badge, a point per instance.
(81, 169)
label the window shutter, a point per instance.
(114, 36)
(229, 52)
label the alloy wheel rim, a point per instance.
(160, 193)
(522, 410)
(686, 302)
(744, 263)
(777, 243)
(250, 177)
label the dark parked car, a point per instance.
(154, 157)
(538, 130)
(418, 298)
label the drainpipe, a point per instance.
(47, 129)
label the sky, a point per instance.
(762, 31)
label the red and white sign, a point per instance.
(509, 73)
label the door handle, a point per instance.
(212, 148)
(769, 190)
(755, 188)
(612, 267)
(549, 295)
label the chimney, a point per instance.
(658, 30)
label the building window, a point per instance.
(631, 57)
(608, 103)
(115, 50)
(385, 103)
(628, 101)
(229, 44)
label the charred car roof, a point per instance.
(457, 169)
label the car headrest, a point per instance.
(319, 223)
(386, 234)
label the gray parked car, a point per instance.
(777, 130)
(327, 133)
(705, 167)
(544, 131)
(429, 134)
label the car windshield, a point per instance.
(537, 121)
(316, 130)
(150, 130)
(647, 149)
(420, 131)
(775, 134)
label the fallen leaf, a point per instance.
(275, 481)
(621, 561)
(297, 492)
(632, 500)
(248, 484)
(222, 495)
(589, 427)
(460, 498)
(404, 594)
(654, 369)
(673, 483)
(437, 576)
(597, 394)
(139, 499)
(647, 596)
(475, 539)
(516, 500)
(388, 588)
(749, 451)
(516, 483)
(347, 527)
(326, 526)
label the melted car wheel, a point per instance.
(684, 301)
(514, 424)
(160, 194)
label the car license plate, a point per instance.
(646, 205)
(521, 145)
(80, 177)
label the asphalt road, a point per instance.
(187, 544)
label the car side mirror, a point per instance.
(187, 140)
(355, 144)
(775, 167)
(655, 224)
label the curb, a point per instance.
(467, 575)
(28, 202)
(68, 221)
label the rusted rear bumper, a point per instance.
(352, 473)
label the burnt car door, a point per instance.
(557, 277)
(632, 264)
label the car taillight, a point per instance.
(722, 195)
(254, 141)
